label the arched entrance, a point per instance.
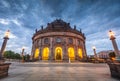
(45, 53)
(58, 53)
(71, 53)
(80, 53)
(36, 55)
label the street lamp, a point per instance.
(23, 54)
(112, 38)
(94, 50)
(6, 37)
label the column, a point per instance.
(112, 38)
(4, 44)
(51, 49)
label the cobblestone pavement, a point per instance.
(39, 71)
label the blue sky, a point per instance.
(94, 17)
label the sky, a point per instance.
(94, 17)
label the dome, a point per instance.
(59, 25)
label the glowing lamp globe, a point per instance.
(7, 33)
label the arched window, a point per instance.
(70, 40)
(71, 53)
(36, 55)
(58, 53)
(80, 53)
(45, 54)
(79, 42)
(46, 40)
(58, 40)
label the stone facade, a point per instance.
(58, 42)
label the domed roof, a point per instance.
(59, 22)
(58, 25)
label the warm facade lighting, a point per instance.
(36, 55)
(57, 42)
(80, 53)
(58, 53)
(71, 53)
(45, 55)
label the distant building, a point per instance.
(58, 42)
(104, 54)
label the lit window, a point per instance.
(58, 53)
(71, 53)
(45, 55)
(80, 53)
(36, 55)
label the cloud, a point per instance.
(4, 22)
(1, 34)
(16, 43)
(10, 21)
(12, 36)
(5, 3)
(101, 40)
(15, 21)
(94, 17)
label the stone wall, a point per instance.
(38, 42)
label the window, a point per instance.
(39, 41)
(46, 40)
(70, 40)
(78, 42)
(58, 40)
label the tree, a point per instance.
(9, 54)
(112, 55)
(17, 56)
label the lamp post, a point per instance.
(112, 38)
(23, 54)
(6, 37)
(94, 50)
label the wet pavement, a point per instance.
(40, 71)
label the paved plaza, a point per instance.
(40, 71)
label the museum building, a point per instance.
(58, 42)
